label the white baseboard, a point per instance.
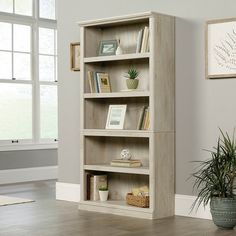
(68, 192)
(183, 205)
(11, 176)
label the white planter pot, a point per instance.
(103, 195)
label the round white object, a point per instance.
(125, 154)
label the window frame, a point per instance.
(35, 22)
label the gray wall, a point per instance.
(201, 105)
(27, 159)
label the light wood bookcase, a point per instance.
(156, 146)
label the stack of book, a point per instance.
(94, 182)
(126, 163)
(99, 82)
(143, 42)
(144, 119)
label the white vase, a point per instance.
(103, 195)
(119, 50)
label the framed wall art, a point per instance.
(221, 49)
(75, 56)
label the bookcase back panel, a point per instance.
(102, 150)
(96, 111)
(126, 33)
(117, 71)
(121, 184)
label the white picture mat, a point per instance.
(221, 48)
(116, 117)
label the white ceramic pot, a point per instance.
(103, 195)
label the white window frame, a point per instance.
(35, 22)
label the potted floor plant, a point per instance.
(103, 193)
(214, 180)
(132, 81)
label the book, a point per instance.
(126, 163)
(139, 126)
(91, 81)
(147, 42)
(96, 82)
(139, 41)
(103, 82)
(146, 119)
(144, 41)
(97, 181)
(88, 176)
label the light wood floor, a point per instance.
(50, 217)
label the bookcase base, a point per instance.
(129, 211)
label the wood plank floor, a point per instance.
(48, 217)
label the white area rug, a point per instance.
(5, 200)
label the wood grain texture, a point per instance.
(154, 147)
(48, 217)
(162, 70)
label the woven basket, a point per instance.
(138, 201)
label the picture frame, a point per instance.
(75, 56)
(220, 54)
(107, 47)
(103, 82)
(116, 117)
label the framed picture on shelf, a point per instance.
(103, 82)
(221, 49)
(116, 117)
(107, 47)
(75, 56)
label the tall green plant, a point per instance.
(215, 177)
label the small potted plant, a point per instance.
(132, 81)
(214, 180)
(103, 193)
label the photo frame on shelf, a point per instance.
(116, 117)
(75, 56)
(103, 82)
(221, 49)
(107, 47)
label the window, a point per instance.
(28, 77)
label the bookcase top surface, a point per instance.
(118, 19)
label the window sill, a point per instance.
(33, 146)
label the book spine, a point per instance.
(145, 125)
(92, 188)
(144, 118)
(139, 126)
(147, 41)
(144, 39)
(90, 81)
(96, 82)
(139, 41)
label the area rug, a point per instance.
(5, 200)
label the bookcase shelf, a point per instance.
(108, 168)
(117, 133)
(155, 147)
(131, 56)
(117, 94)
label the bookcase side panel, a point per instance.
(164, 162)
(163, 84)
(82, 78)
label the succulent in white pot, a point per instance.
(132, 75)
(103, 193)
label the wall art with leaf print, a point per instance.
(221, 49)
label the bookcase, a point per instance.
(154, 147)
